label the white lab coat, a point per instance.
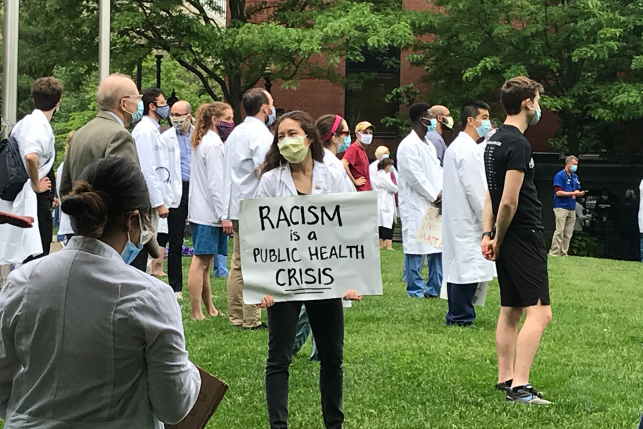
(331, 160)
(385, 189)
(173, 188)
(153, 155)
(372, 171)
(462, 205)
(34, 135)
(64, 227)
(278, 182)
(206, 181)
(420, 183)
(246, 149)
(87, 341)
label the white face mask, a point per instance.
(366, 138)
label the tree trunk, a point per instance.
(234, 96)
(570, 127)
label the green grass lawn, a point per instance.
(405, 369)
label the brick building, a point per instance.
(319, 97)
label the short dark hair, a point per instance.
(471, 109)
(149, 96)
(108, 189)
(253, 99)
(515, 90)
(417, 110)
(494, 124)
(384, 163)
(46, 93)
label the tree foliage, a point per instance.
(586, 53)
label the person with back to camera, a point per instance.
(87, 341)
(386, 190)
(294, 166)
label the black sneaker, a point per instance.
(526, 395)
(505, 386)
(258, 327)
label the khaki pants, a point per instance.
(565, 220)
(239, 313)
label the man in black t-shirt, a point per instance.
(514, 238)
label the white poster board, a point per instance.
(309, 247)
(430, 231)
(478, 299)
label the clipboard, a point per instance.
(210, 396)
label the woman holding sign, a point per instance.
(206, 204)
(294, 166)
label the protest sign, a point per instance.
(478, 299)
(430, 231)
(309, 247)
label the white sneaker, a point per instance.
(178, 295)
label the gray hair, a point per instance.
(570, 158)
(111, 91)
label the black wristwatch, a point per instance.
(487, 234)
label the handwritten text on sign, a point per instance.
(430, 231)
(309, 247)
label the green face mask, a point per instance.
(294, 149)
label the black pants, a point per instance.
(327, 322)
(174, 237)
(45, 223)
(630, 247)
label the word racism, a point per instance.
(297, 216)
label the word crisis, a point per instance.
(299, 215)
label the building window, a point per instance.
(371, 81)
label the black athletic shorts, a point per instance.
(522, 269)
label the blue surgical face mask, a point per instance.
(136, 116)
(163, 111)
(344, 146)
(386, 155)
(272, 117)
(574, 168)
(484, 128)
(536, 117)
(432, 126)
(131, 250)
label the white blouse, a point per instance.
(87, 341)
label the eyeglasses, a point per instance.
(344, 133)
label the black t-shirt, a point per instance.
(507, 150)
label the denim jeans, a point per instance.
(461, 311)
(642, 247)
(220, 266)
(327, 322)
(303, 331)
(415, 286)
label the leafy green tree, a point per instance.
(586, 53)
(288, 40)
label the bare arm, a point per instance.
(345, 163)
(508, 203)
(32, 164)
(570, 194)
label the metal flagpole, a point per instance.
(103, 39)
(10, 66)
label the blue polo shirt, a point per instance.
(568, 184)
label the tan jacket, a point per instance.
(102, 137)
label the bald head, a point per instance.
(112, 90)
(181, 107)
(439, 111)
